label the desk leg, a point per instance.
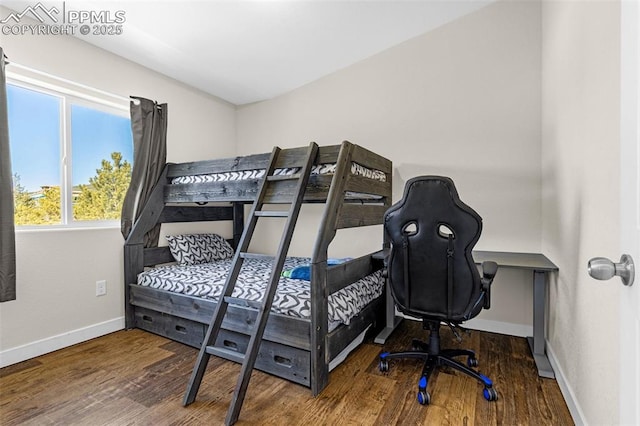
(537, 342)
(392, 321)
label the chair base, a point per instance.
(434, 357)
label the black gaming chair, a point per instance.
(432, 273)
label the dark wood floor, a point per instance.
(137, 378)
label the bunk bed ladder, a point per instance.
(248, 359)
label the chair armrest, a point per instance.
(489, 270)
(384, 255)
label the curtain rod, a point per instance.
(64, 80)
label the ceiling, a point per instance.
(248, 51)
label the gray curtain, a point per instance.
(7, 228)
(149, 127)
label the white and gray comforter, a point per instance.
(292, 297)
(321, 169)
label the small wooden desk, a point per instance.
(535, 262)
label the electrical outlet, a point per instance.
(101, 288)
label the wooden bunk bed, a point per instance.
(297, 349)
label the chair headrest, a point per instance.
(430, 208)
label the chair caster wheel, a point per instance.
(472, 362)
(423, 397)
(383, 365)
(490, 394)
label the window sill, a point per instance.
(73, 227)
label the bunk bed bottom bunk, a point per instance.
(285, 350)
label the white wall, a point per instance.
(57, 269)
(580, 163)
(463, 101)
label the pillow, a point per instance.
(193, 249)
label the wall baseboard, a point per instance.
(54, 343)
(565, 389)
(508, 328)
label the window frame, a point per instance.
(69, 95)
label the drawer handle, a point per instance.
(285, 362)
(181, 329)
(231, 345)
(147, 318)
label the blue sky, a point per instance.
(34, 134)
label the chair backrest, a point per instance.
(430, 267)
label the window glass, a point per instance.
(102, 154)
(71, 157)
(34, 132)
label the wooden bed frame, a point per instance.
(295, 349)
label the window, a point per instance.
(71, 156)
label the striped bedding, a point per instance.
(292, 297)
(321, 169)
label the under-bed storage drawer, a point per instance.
(274, 358)
(175, 328)
(281, 360)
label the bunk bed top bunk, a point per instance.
(355, 185)
(237, 179)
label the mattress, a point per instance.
(292, 298)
